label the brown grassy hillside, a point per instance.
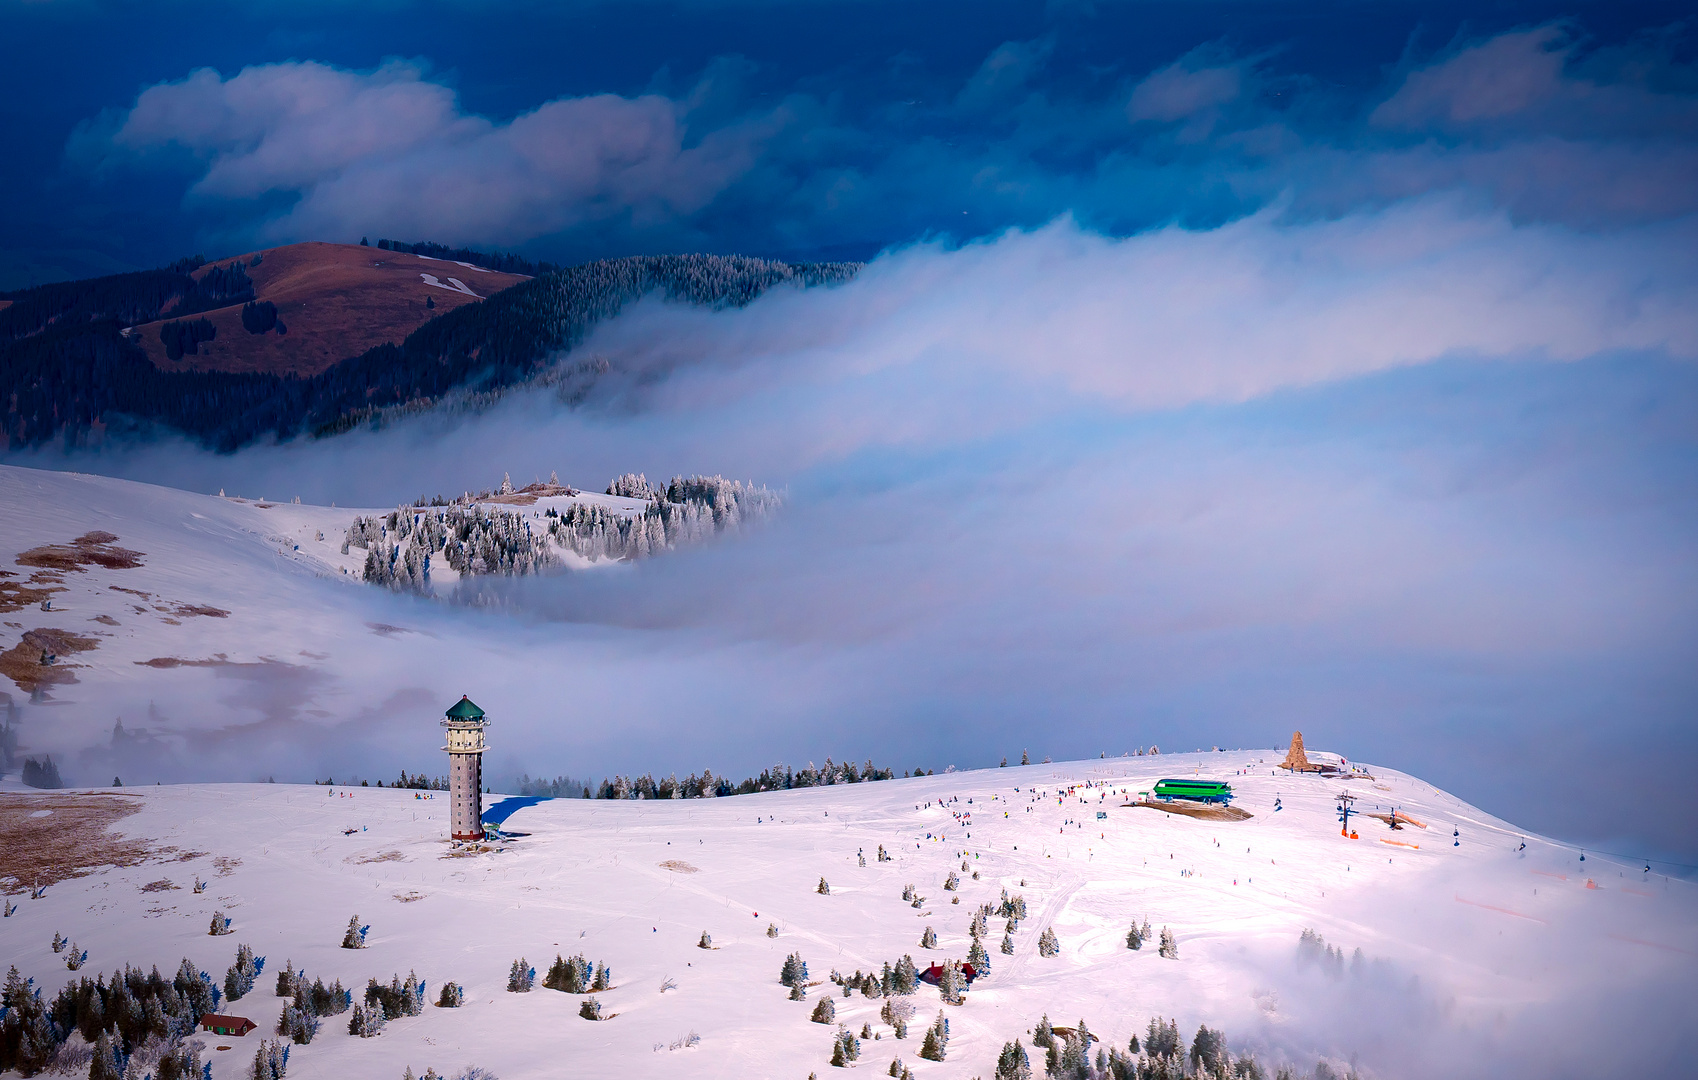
(337, 301)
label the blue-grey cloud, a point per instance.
(1531, 120)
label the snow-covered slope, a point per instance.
(219, 625)
(1478, 956)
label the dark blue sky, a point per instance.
(835, 129)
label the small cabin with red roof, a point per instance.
(226, 1025)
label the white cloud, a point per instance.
(390, 150)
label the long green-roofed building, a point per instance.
(1194, 790)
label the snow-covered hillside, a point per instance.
(214, 627)
(1466, 947)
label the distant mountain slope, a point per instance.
(74, 360)
(333, 301)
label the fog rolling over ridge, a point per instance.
(1415, 481)
(1208, 379)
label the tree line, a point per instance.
(68, 369)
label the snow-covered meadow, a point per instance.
(1478, 956)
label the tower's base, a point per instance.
(469, 836)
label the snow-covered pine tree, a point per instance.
(1134, 939)
(823, 888)
(603, 977)
(907, 975)
(451, 996)
(1161, 1040)
(1208, 1050)
(799, 991)
(520, 976)
(59, 942)
(107, 1063)
(355, 936)
(1025, 759)
(366, 1021)
(706, 941)
(928, 940)
(1048, 944)
(771, 929)
(952, 983)
(1169, 947)
(220, 925)
(239, 980)
(1044, 1033)
(825, 1012)
(1012, 1063)
(794, 971)
(980, 959)
(936, 1043)
(952, 882)
(1007, 944)
(590, 1009)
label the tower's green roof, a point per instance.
(465, 710)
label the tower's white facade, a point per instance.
(465, 723)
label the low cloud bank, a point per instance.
(1412, 481)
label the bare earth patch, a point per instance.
(73, 841)
(17, 595)
(22, 662)
(410, 896)
(226, 865)
(678, 866)
(387, 856)
(89, 549)
(1207, 813)
(106, 619)
(162, 885)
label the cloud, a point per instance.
(1409, 480)
(390, 150)
(1538, 121)
(1185, 88)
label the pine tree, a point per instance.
(825, 1012)
(1048, 944)
(1007, 944)
(590, 1009)
(1169, 948)
(355, 937)
(952, 983)
(952, 882)
(980, 959)
(935, 1045)
(520, 976)
(706, 941)
(798, 991)
(928, 940)
(794, 971)
(220, 925)
(452, 994)
(271, 1061)
(1207, 1049)
(107, 1063)
(1134, 939)
(823, 888)
(1044, 1033)
(1012, 1063)
(1024, 759)
(772, 930)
